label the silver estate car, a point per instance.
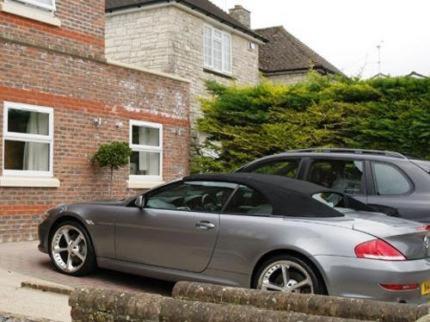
(249, 230)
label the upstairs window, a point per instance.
(217, 50)
(28, 140)
(43, 4)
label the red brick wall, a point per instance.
(72, 78)
(81, 32)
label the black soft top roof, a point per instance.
(289, 197)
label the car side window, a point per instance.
(346, 176)
(286, 168)
(247, 201)
(195, 196)
(389, 180)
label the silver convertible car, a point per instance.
(249, 230)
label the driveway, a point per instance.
(25, 259)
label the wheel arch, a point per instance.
(296, 253)
(68, 217)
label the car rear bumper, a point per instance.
(361, 278)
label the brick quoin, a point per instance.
(64, 68)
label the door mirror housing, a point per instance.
(140, 202)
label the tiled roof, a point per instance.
(204, 6)
(284, 53)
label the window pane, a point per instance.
(20, 121)
(28, 156)
(193, 196)
(247, 201)
(143, 135)
(389, 180)
(227, 52)
(145, 164)
(285, 168)
(45, 2)
(217, 54)
(208, 46)
(343, 175)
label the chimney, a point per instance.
(242, 15)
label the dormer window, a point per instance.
(42, 4)
(217, 50)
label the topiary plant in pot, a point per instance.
(113, 155)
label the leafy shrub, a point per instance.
(245, 123)
(114, 156)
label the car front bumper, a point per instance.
(43, 232)
(361, 278)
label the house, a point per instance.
(285, 59)
(191, 38)
(60, 98)
(198, 41)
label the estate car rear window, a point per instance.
(389, 180)
(286, 168)
(346, 176)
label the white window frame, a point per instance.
(25, 137)
(147, 148)
(211, 65)
(37, 4)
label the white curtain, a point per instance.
(36, 155)
(149, 162)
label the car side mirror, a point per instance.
(140, 202)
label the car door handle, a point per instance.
(205, 225)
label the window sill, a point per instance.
(214, 72)
(28, 12)
(143, 184)
(29, 182)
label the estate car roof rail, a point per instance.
(353, 151)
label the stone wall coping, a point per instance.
(347, 308)
(146, 70)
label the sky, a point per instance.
(347, 32)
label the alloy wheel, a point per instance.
(286, 276)
(69, 248)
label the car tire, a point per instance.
(71, 249)
(271, 274)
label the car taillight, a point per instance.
(400, 287)
(378, 249)
(424, 228)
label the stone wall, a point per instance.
(337, 307)
(288, 78)
(99, 305)
(194, 302)
(170, 39)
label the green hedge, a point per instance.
(245, 123)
